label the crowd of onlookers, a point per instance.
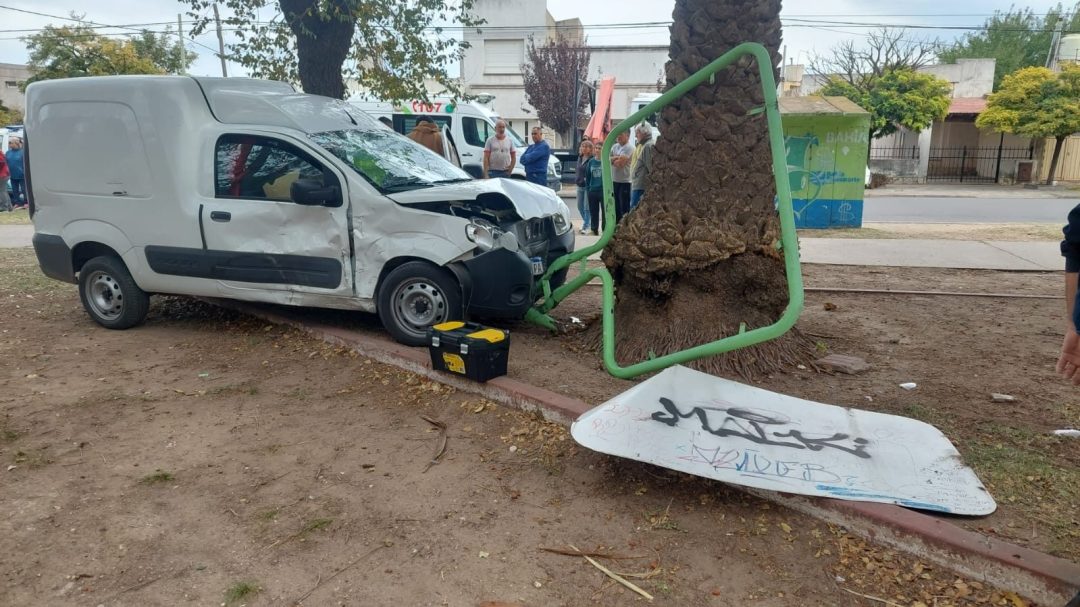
(11, 169)
(629, 170)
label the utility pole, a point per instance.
(1051, 57)
(180, 44)
(220, 43)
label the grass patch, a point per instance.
(20, 275)
(16, 218)
(315, 525)
(240, 591)
(158, 477)
(34, 459)
(847, 233)
(268, 515)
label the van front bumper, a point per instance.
(496, 284)
(500, 283)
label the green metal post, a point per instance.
(788, 238)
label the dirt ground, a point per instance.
(208, 458)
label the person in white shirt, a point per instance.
(500, 156)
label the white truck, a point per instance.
(468, 126)
(245, 189)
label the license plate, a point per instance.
(537, 265)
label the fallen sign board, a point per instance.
(707, 426)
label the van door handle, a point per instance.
(465, 154)
(220, 216)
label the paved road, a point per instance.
(967, 210)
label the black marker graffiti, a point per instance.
(737, 421)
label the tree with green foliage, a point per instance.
(1037, 102)
(389, 47)
(71, 51)
(1016, 38)
(10, 115)
(898, 98)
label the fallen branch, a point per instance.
(871, 598)
(442, 441)
(599, 555)
(320, 581)
(611, 574)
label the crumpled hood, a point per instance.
(531, 201)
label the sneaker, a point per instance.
(584, 231)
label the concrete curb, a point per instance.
(1039, 577)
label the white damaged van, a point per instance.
(245, 189)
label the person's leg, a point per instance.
(635, 198)
(18, 190)
(583, 208)
(497, 173)
(596, 210)
(5, 201)
(622, 200)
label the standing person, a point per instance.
(594, 173)
(535, 158)
(5, 201)
(1068, 364)
(499, 153)
(427, 134)
(14, 157)
(621, 154)
(640, 162)
(582, 180)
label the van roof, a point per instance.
(230, 100)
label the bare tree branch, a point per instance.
(885, 50)
(552, 73)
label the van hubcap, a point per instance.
(419, 304)
(105, 296)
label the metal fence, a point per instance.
(972, 164)
(905, 152)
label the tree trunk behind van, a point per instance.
(699, 255)
(322, 44)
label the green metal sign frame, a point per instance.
(789, 243)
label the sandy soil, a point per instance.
(207, 458)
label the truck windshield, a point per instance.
(389, 161)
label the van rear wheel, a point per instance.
(109, 294)
(415, 296)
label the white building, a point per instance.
(11, 76)
(492, 65)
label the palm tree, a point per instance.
(699, 255)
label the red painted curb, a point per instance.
(1039, 577)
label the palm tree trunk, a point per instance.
(699, 255)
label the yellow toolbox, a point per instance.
(473, 350)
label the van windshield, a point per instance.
(389, 161)
(518, 141)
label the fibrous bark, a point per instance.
(699, 255)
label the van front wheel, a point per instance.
(109, 294)
(415, 296)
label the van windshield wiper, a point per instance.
(402, 185)
(454, 180)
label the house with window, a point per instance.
(12, 76)
(491, 67)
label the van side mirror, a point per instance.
(311, 192)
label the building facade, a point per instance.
(492, 65)
(12, 76)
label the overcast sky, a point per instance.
(801, 39)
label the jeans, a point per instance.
(497, 173)
(622, 200)
(537, 178)
(5, 201)
(583, 207)
(635, 198)
(596, 209)
(18, 191)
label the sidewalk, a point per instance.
(945, 190)
(1039, 256)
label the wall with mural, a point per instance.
(826, 162)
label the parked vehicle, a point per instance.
(469, 125)
(245, 189)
